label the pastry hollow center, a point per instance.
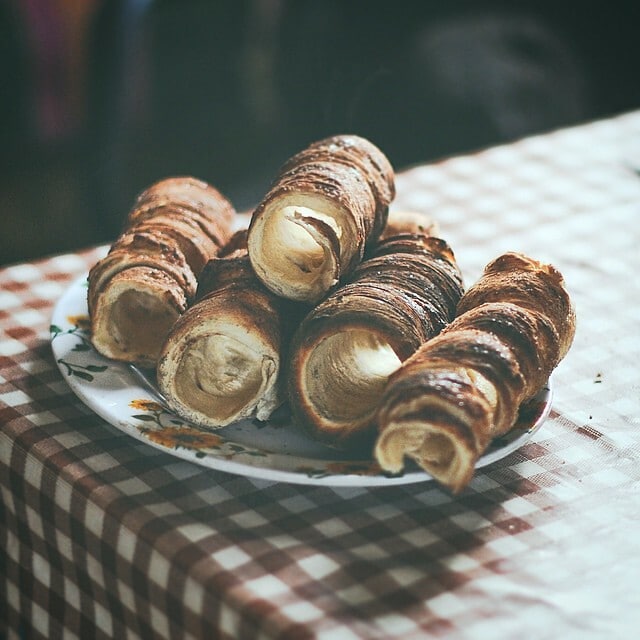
(299, 245)
(437, 451)
(297, 256)
(218, 375)
(140, 322)
(347, 372)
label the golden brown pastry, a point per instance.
(188, 199)
(348, 345)
(407, 221)
(327, 204)
(464, 387)
(149, 276)
(221, 361)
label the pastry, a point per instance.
(148, 278)
(222, 359)
(463, 388)
(348, 345)
(328, 203)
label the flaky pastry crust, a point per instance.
(349, 344)
(465, 387)
(150, 273)
(328, 203)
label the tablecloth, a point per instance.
(102, 536)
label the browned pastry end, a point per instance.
(326, 205)
(221, 361)
(187, 194)
(406, 221)
(369, 160)
(531, 285)
(465, 387)
(197, 247)
(348, 345)
(150, 273)
(189, 200)
(153, 249)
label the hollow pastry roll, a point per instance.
(327, 204)
(465, 387)
(140, 288)
(221, 361)
(347, 346)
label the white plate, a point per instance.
(273, 451)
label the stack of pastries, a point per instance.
(354, 315)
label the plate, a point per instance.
(126, 398)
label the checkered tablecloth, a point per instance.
(102, 536)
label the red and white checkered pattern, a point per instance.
(102, 536)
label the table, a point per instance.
(102, 536)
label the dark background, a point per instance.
(101, 98)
